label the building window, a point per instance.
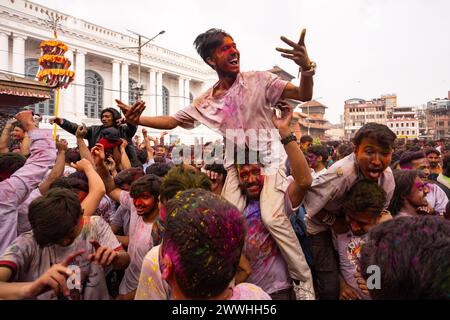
(131, 91)
(46, 107)
(396, 125)
(191, 97)
(165, 101)
(93, 95)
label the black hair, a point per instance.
(306, 138)
(54, 216)
(409, 156)
(363, 195)
(72, 155)
(379, 132)
(159, 168)
(319, 150)
(115, 114)
(207, 42)
(128, 176)
(432, 150)
(10, 162)
(180, 179)
(149, 183)
(218, 168)
(412, 256)
(142, 155)
(446, 165)
(404, 181)
(71, 183)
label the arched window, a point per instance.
(191, 97)
(165, 101)
(131, 91)
(93, 94)
(46, 107)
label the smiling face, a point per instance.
(251, 180)
(225, 59)
(417, 195)
(144, 203)
(17, 133)
(372, 158)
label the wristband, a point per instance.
(288, 139)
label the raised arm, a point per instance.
(84, 150)
(299, 166)
(133, 116)
(98, 154)
(18, 186)
(58, 168)
(96, 187)
(299, 55)
(124, 160)
(70, 127)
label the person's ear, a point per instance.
(211, 62)
(166, 266)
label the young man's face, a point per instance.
(144, 203)
(433, 159)
(372, 158)
(305, 145)
(361, 222)
(160, 151)
(17, 133)
(107, 119)
(226, 57)
(313, 160)
(421, 165)
(417, 195)
(251, 180)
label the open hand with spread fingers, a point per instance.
(132, 113)
(298, 52)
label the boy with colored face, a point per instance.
(323, 201)
(363, 209)
(317, 159)
(409, 197)
(142, 203)
(239, 101)
(436, 197)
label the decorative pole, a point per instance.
(53, 66)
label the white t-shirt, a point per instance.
(28, 261)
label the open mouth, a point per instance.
(234, 62)
(374, 173)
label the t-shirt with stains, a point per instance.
(140, 242)
(269, 270)
(349, 249)
(246, 108)
(28, 261)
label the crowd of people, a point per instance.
(128, 216)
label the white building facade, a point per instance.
(104, 71)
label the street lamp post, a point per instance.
(139, 87)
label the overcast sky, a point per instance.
(363, 48)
